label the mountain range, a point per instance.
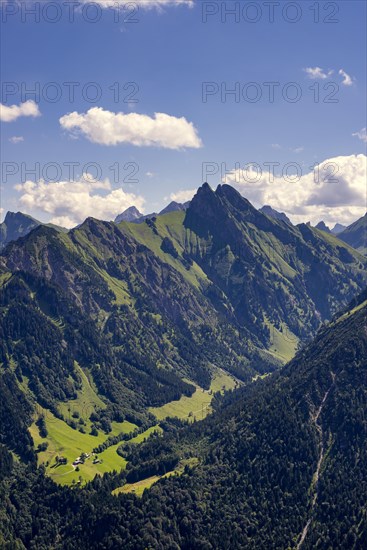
(132, 214)
(17, 225)
(111, 329)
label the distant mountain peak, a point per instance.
(15, 225)
(323, 227)
(173, 206)
(129, 215)
(269, 211)
(12, 216)
(338, 228)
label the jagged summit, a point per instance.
(323, 227)
(15, 225)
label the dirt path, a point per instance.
(316, 475)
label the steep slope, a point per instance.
(288, 459)
(268, 274)
(282, 464)
(356, 235)
(98, 300)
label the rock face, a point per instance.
(356, 235)
(131, 214)
(269, 211)
(323, 227)
(15, 225)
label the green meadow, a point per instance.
(283, 342)
(198, 406)
(139, 487)
(64, 441)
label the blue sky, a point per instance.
(169, 53)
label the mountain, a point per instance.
(356, 235)
(148, 320)
(16, 225)
(174, 207)
(262, 270)
(269, 211)
(280, 464)
(323, 227)
(338, 228)
(131, 214)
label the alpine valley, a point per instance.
(195, 379)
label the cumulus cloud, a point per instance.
(362, 135)
(108, 128)
(143, 4)
(335, 191)
(183, 195)
(12, 112)
(71, 202)
(317, 73)
(347, 80)
(16, 139)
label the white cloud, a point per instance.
(12, 112)
(316, 73)
(71, 202)
(108, 128)
(149, 174)
(347, 80)
(362, 134)
(298, 149)
(276, 146)
(183, 195)
(16, 139)
(313, 195)
(143, 4)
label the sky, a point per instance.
(110, 104)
